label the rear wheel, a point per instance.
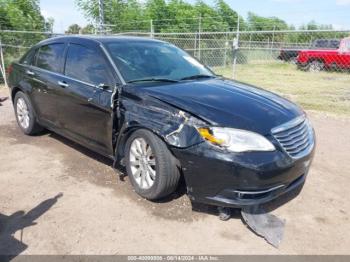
(316, 66)
(25, 115)
(294, 60)
(151, 167)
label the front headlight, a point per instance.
(236, 140)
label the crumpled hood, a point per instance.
(228, 104)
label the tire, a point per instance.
(294, 60)
(316, 66)
(302, 68)
(154, 156)
(25, 115)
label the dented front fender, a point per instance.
(174, 126)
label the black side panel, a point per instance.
(86, 115)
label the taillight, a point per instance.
(9, 70)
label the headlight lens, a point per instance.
(236, 140)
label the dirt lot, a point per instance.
(97, 213)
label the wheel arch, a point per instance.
(22, 86)
(19, 88)
(173, 126)
(125, 134)
(319, 59)
(34, 127)
(14, 91)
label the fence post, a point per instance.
(2, 65)
(101, 16)
(235, 50)
(195, 45)
(250, 41)
(152, 28)
(273, 39)
(225, 54)
(199, 36)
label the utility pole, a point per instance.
(101, 21)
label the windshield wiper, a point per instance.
(153, 80)
(197, 77)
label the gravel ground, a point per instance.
(59, 198)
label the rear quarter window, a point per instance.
(28, 58)
(49, 57)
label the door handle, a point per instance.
(62, 84)
(30, 73)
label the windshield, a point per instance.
(154, 60)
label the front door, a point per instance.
(86, 108)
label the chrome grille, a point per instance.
(296, 137)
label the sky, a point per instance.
(297, 12)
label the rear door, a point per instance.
(86, 110)
(44, 74)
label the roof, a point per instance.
(103, 38)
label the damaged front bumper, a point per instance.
(241, 179)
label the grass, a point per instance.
(324, 91)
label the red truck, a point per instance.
(317, 60)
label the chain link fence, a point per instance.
(223, 51)
(309, 67)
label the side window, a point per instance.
(334, 44)
(28, 58)
(87, 65)
(321, 43)
(49, 57)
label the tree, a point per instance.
(260, 23)
(73, 29)
(158, 11)
(4, 19)
(49, 24)
(178, 16)
(229, 16)
(122, 15)
(21, 15)
(89, 29)
(210, 19)
(312, 25)
(183, 17)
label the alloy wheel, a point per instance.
(22, 113)
(316, 66)
(142, 163)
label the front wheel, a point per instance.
(150, 166)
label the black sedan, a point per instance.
(156, 110)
